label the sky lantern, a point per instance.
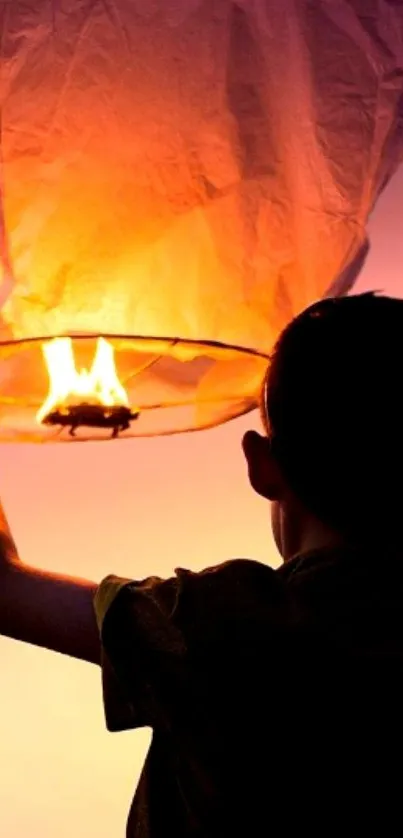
(178, 178)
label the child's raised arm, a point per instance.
(46, 609)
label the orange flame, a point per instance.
(99, 385)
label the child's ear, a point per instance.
(264, 472)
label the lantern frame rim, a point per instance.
(111, 336)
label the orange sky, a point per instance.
(136, 508)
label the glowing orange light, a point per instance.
(99, 385)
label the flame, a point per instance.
(99, 385)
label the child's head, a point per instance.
(333, 409)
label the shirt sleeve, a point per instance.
(160, 638)
(119, 713)
(142, 649)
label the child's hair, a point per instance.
(334, 408)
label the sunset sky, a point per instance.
(134, 508)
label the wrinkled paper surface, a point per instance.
(180, 168)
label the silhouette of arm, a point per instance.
(46, 609)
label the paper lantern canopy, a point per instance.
(178, 180)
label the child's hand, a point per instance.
(8, 550)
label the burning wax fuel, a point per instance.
(93, 398)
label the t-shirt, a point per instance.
(275, 696)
